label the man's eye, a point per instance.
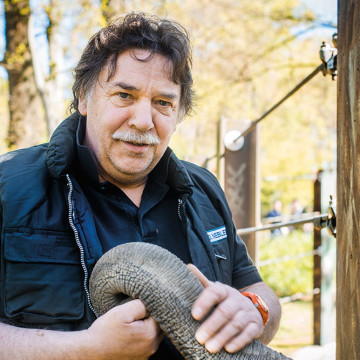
(164, 103)
(124, 95)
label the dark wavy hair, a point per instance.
(136, 31)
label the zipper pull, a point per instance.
(179, 209)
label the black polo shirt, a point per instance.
(118, 220)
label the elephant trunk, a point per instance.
(168, 289)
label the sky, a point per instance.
(326, 12)
(325, 9)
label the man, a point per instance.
(275, 212)
(108, 177)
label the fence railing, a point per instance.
(320, 221)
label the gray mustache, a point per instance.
(139, 139)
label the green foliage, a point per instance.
(291, 276)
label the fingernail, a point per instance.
(230, 348)
(212, 346)
(197, 313)
(201, 337)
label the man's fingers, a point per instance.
(228, 334)
(210, 297)
(225, 322)
(222, 315)
(201, 277)
(224, 327)
(250, 332)
(135, 314)
(134, 310)
(232, 320)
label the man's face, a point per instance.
(131, 117)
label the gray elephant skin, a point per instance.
(168, 289)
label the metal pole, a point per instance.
(296, 88)
(319, 221)
(255, 122)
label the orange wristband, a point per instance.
(259, 304)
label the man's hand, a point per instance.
(233, 323)
(125, 332)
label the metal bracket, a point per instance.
(331, 222)
(320, 222)
(328, 56)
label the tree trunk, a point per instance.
(50, 84)
(55, 108)
(26, 126)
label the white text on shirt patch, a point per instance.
(217, 234)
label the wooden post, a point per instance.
(242, 184)
(348, 182)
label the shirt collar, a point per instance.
(159, 174)
(85, 166)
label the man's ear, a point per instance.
(82, 107)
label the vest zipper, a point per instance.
(71, 216)
(179, 209)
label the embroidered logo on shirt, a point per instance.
(217, 234)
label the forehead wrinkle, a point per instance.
(157, 66)
(157, 69)
(150, 65)
(147, 60)
(146, 57)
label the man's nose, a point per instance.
(142, 116)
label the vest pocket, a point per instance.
(42, 279)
